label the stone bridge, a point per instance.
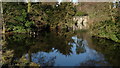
(81, 22)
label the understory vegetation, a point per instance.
(107, 29)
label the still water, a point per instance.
(61, 49)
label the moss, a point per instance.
(80, 13)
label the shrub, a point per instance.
(107, 29)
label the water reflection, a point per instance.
(53, 49)
(110, 50)
(80, 55)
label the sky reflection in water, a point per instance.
(82, 55)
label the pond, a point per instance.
(60, 49)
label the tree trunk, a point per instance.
(29, 6)
(2, 19)
(29, 56)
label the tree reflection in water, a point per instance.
(22, 44)
(52, 49)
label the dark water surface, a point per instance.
(62, 49)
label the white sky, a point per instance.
(59, 0)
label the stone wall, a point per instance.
(81, 22)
